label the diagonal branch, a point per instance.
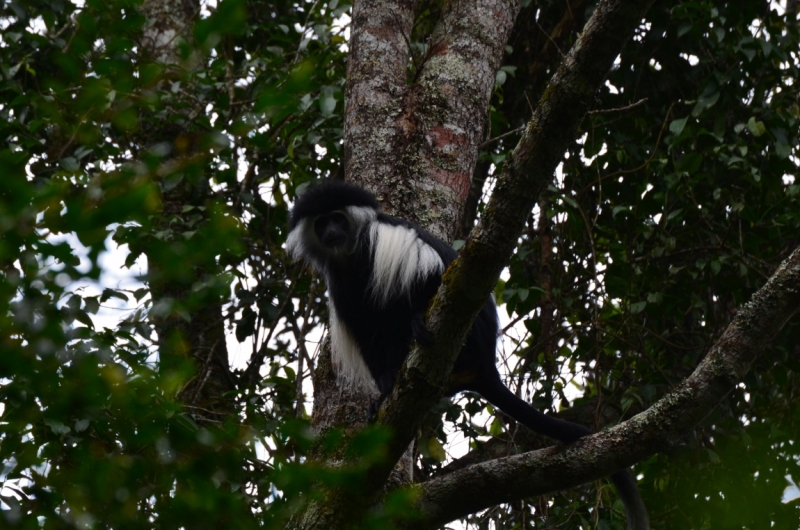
(508, 479)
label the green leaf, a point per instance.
(638, 307)
(570, 201)
(84, 318)
(81, 425)
(70, 164)
(783, 150)
(676, 126)
(91, 304)
(655, 298)
(112, 293)
(509, 69)
(74, 301)
(436, 450)
(674, 213)
(496, 427)
(618, 209)
(756, 128)
(691, 162)
(327, 101)
(705, 102)
(246, 326)
(57, 427)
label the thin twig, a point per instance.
(405, 38)
(303, 32)
(74, 134)
(618, 109)
(634, 170)
(253, 367)
(530, 106)
(594, 256)
(504, 135)
(63, 29)
(551, 39)
(206, 373)
(300, 339)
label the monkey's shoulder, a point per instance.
(445, 251)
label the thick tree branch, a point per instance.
(416, 145)
(446, 109)
(376, 84)
(376, 81)
(508, 479)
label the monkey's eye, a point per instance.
(339, 219)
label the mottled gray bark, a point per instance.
(507, 479)
(416, 144)
(376, 80)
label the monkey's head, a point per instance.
(326, 222)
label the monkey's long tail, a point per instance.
(564, 431)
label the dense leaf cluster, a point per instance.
(97, 134)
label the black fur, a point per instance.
(328, 197)
(384, 331)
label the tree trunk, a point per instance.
(190, 326)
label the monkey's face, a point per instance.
(331, 238)
(336, 233)
(332, 230)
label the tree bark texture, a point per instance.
(659, 428)
(416, 144)
(200, 333)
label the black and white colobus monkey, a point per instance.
(381, 272)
